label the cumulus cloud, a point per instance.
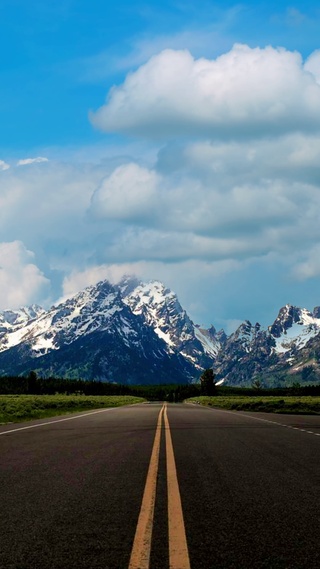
(247, 92)
(27, 161)
(206, 201)
(291, 157)
(215, 200)
(195, 210)
(78, 280)
(204, 279)
(4, 165)
(127, 194)
(21, 281)
(313, 65)
(47, 204)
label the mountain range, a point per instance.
(138, 333)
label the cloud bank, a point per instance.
(229, 207)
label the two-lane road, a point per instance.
(157, 487)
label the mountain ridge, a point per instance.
(138, 332)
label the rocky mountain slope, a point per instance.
(285, 352)
(161, 309)
(97, 334)
(137, 332)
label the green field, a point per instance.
(15, 408)
(269, 404)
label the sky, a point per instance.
(177, 141)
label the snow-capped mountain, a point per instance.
(95, 334)
(12, 319)
(161, 309)
(294, 327)
(244, 354)
(137, 332)
(273, 354)
(94, 308)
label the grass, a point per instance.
(17, 408)
(287, 404)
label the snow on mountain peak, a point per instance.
(23, 314)
(161, 309)
(293, 328)
(145, 324)
(91, 309)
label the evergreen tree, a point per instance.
(33, 383)
(208, 385)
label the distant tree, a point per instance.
(33, 383)
(256, 384)
(208, 385)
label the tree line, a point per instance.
(32, 384)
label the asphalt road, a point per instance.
(71, 491)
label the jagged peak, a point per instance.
(244, 332)
(212, 330)
(22, 314)
(153, 291)
(316, 312)
(245, 325)
(288, 316)
(101, 288)
(221, 336)
(290, 310)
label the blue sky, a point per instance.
(165, 139)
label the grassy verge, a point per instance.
(299, 405)
(16, 408)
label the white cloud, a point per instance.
(203, 277)
(196, 214)
(313, 65)
(148, 244)
(78, 280)
(205, 201)
(21, 281)
(128, 193)
(46, 204)
(222, 164)
(243, 93)
(215, 201)
(27, 161)
(4, 165)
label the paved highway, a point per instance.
(153, 487)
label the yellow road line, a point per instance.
(178, 548)
(140, 554)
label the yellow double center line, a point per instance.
(178, 549)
